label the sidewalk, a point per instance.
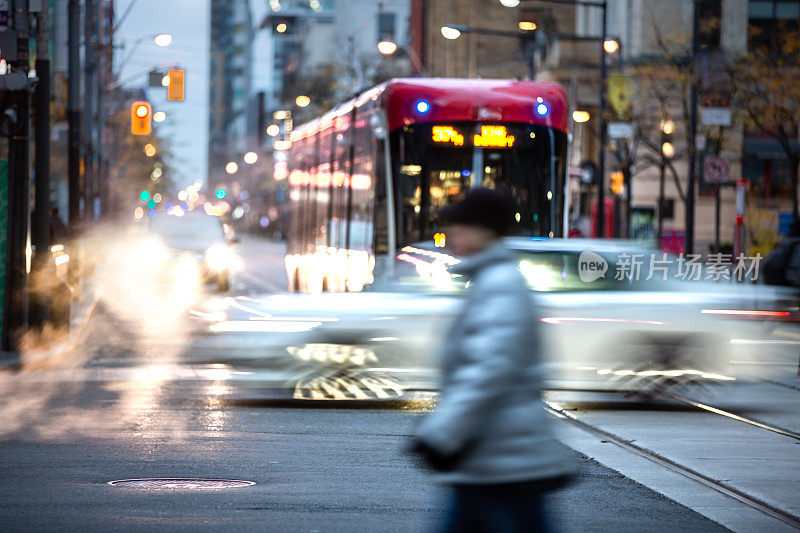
(81, 311)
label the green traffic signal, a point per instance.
(144, 195)
(220, 194)
(151, 203)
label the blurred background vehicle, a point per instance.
(199, 237)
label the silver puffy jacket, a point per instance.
(490, 413)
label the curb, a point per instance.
(58, 351)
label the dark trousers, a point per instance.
(507, 508)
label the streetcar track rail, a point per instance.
(728, 414)
(779, 384)
(741, 497)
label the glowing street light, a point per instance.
(448, 32)
(159, 116)
(273, 130)
(302, 100)
(387, 48)
(580, 116)
(668, 150)
(149, 150)
(667, 126)
(163, 39)
(250, 158)
(527, 26)
(231, 167)
(611, 46)
(510, 3)
(165, 80)
(281, 27)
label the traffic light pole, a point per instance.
(601, 126)
(40, 230)
(689, 248)
(89, 115)
(73, 113)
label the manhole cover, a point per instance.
(181, 483)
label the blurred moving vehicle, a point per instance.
(201, 238)
(606, 327)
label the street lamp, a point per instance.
(159, 116)
(163, 39)
(580, 116)
(449, 32)
(231, 167)
(273, 130)
(250, 158)
(159, 39)
(387, 48)
(302, 101)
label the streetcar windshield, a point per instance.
(435, 164)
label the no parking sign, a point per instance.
(717, 170)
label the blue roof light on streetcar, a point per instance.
(542, 109)
(422, 107)
(466, 173)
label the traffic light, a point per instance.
(220, 193)
(175, 87)
(617, 182)
(141, 118)
(667, 129)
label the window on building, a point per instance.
(386, 24)
(769, 18)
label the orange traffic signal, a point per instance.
(617, 184)
(141, 118)
(175, 87)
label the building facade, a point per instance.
(649, 77)
(230, 59)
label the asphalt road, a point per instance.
(151, 392)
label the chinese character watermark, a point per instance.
(628, 266)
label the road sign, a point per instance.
(717, 169)
(715, 116)
(620, 130)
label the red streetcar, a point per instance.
(367, 177)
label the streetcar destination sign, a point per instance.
(493, 137)
(447, 134)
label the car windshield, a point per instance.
(188, 232)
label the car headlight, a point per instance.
(219, 257)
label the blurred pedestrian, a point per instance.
(489, 438)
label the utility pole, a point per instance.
(73, 112)
(40, 231)
(689, 248)
(103, 46)
(601, 125)
(89, 117)
(19, 188)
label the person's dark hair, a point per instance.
(487, 208)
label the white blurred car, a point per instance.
(601, 332)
